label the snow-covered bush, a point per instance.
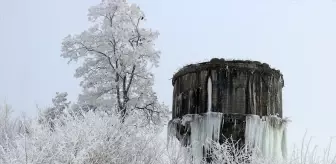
(10, 130)
(60, 106)
(103, 139)
(94, 139)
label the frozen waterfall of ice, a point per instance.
(267, 135)
(176, 151)
(203, 128)
(172, 131)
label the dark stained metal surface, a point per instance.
(242, 87)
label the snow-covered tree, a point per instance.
(117, 55)
(60, 105)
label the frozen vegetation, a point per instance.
(118, 118)
(100, 138)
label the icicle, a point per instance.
(196, 145)
(284, 143)
(172, 131)
(254, 97)
(190, 96)
(273, 98)
(204, 128)
(267, 134)
(179, 105)
(279, 103)
(209, 94)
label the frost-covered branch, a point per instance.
(117, 54)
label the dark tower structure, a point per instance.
(235, 88)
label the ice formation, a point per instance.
(267, 135)
(203, 128)
(172, 132)
(209, 94)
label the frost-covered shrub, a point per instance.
(230, 153)
(102, 139)
(94, 139)
(10, 130)
(60, 106)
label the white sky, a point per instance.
(297, 37)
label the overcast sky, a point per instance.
(297, 37)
